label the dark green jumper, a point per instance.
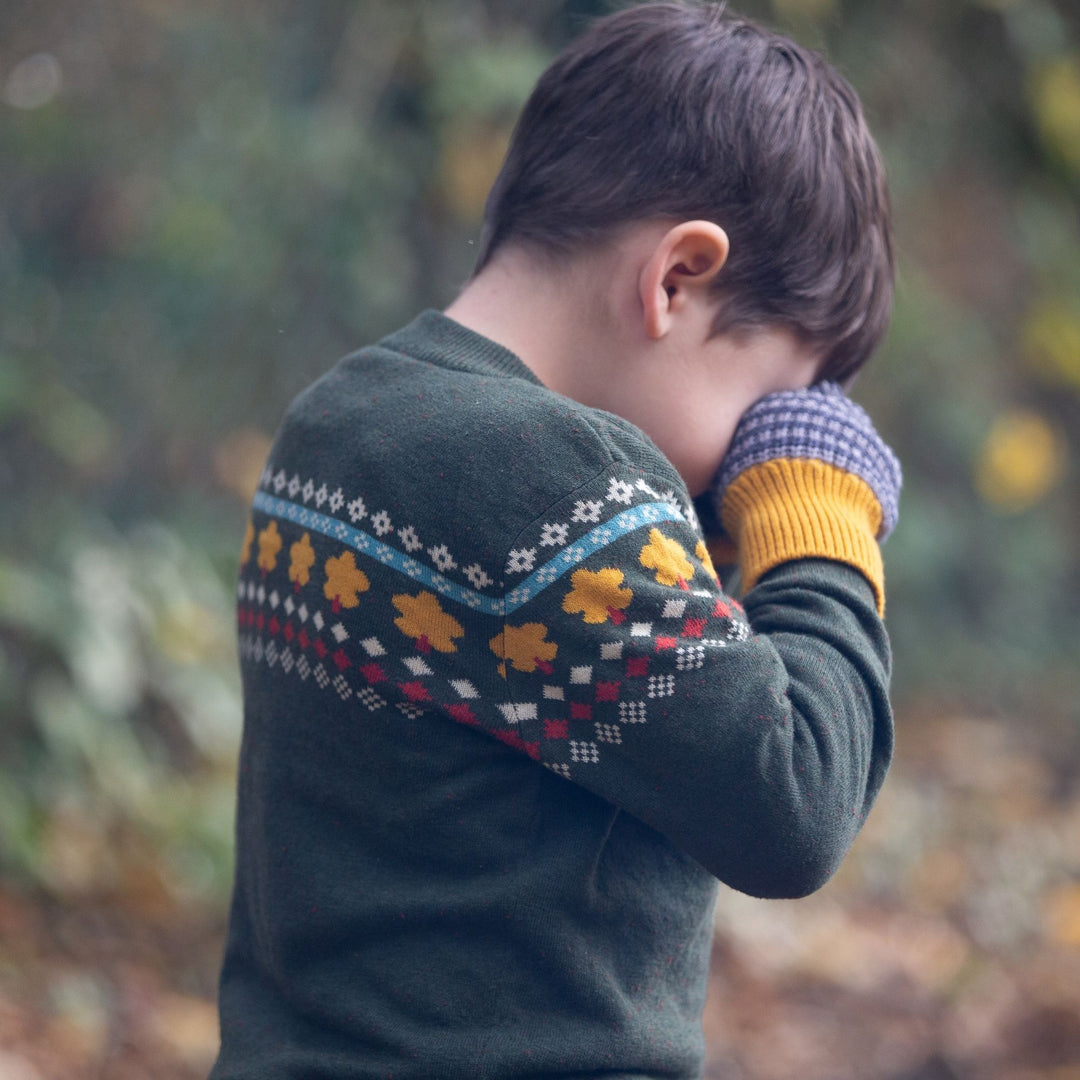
(503, 731)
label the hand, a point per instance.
(818, 424)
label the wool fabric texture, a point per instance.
(820, 423)
(786, 509)
(504, 732)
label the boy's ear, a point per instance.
(679, 270)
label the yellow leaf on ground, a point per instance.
(188, 1027)
(1062, 915)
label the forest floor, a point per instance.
(947, 948)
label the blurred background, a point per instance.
(204, 204)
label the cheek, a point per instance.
(725, 420)
(696, 431)
(700, 452)
(713, 433)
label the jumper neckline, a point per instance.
(441, 340)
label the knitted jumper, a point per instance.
(503, 731)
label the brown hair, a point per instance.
(678, 110)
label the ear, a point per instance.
(679, 269)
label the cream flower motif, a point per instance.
(554, 534)
(380, 522)
(669, 498)
(584, 751)
(337, 501)
(442, 558)
(587, 511)
(521, 561)
(409, 540)
(357, 510)
(321, 496)
(477, 576)
(308, 490)
(279, 481)
(620, 491)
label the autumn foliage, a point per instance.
(202, 206)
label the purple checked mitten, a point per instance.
(807, 476)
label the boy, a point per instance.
(503, 729)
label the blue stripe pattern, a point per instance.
(569, 557)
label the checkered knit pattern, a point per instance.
(819, 424)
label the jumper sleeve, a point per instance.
(755, 739)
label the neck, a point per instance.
(540, 315)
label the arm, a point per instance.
(755, 742)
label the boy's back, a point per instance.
(417, 898)
(503, 729)
(409, 888)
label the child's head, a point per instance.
(676, 111)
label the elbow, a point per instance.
(784, 880)
(786, 862)
(793, 877)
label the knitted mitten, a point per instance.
(807, 476)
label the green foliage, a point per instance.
(203, 205)
(119, 691)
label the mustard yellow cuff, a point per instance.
(788, 509)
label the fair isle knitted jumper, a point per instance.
(503, 732)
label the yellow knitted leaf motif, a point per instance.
(269, 546)
(702, 552)
(344, 582)
(597, 594)
(302, 559)
(667, 558)
(423, 619)
(526, 647)
(249, 539)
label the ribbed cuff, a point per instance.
(788, 509)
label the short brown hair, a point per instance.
(680, 110)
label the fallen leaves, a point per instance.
(97, 989)
(947, 946)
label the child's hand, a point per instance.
(820, 423)
(807, 476)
